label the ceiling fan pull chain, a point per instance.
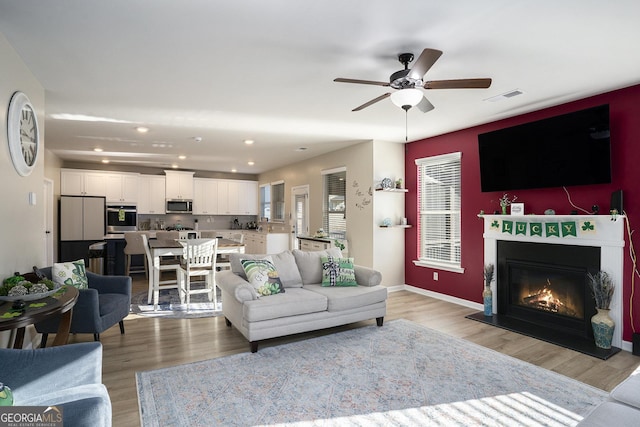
(406, 125)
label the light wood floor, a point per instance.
(157, 343)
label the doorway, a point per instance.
(300, 211)
(48, 221)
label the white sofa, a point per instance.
(305, 305)
(622, 409)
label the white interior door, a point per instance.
(48, 221)
(300, 213)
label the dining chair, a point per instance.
(134, 247)
(222, 262)
(208, 234)
(199, 259)
(166, 264)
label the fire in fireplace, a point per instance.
(547, 285)
(550, 289)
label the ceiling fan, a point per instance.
(408, 80)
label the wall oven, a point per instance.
(121, 218)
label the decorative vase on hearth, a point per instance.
(487, 298)
(603, 327)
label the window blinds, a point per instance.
(334, 204)
(439, 209)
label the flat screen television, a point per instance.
(570, 149)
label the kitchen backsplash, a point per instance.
(187, 221)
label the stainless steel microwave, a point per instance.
(179, 206)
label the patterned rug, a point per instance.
(399, 374)
(169, 305)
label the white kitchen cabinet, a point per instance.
(122, 188)
(265, 243)
(248, 200)
(151, 194)
(314, 245)
(205, 196)
(77, 182)
(236, 197)
(224, 207)
(179, 185)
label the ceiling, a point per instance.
(228, 71)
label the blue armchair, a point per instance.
(68, 376)
(106, 302)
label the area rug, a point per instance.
(169, 305)
(399, 374)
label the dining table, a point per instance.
(58, 304)
(172, 247)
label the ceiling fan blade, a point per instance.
(427, 58)
(362, 82)
(424, 105)
(458, 84)
(373, 101)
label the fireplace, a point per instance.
(547, 285)
(549, 299)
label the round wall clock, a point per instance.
(23, 133)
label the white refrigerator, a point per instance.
(82, 223)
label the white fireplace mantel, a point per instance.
(603, 231)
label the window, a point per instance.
(277, 201)
(334, 212)
(439, 212)
(265, 201)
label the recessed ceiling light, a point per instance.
(142, 129)
(105, 161)
(98, 150)
(301, 149)
(182, 157)
(174, 166)
(197, 138)
(234, 170)
(248, 141)
(251, 163)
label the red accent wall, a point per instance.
(624, 107)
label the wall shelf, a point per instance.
(396, 226)
(393, 190)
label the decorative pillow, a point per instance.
(70, 273)
(310, 264)
(284, 262)
(338, 272)
(263, 276)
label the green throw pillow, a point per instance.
(263, 276)
(338, 272)
(70, 273)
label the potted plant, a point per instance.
(505, 201)
(603, 325)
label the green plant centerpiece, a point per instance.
(603, 325)
(17, 286)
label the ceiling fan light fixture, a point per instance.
(406, 98)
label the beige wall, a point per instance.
(358, 159)
(52, 166)
(21, 224)
(388, 256)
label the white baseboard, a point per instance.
(626, 345)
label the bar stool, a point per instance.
(135, 246)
